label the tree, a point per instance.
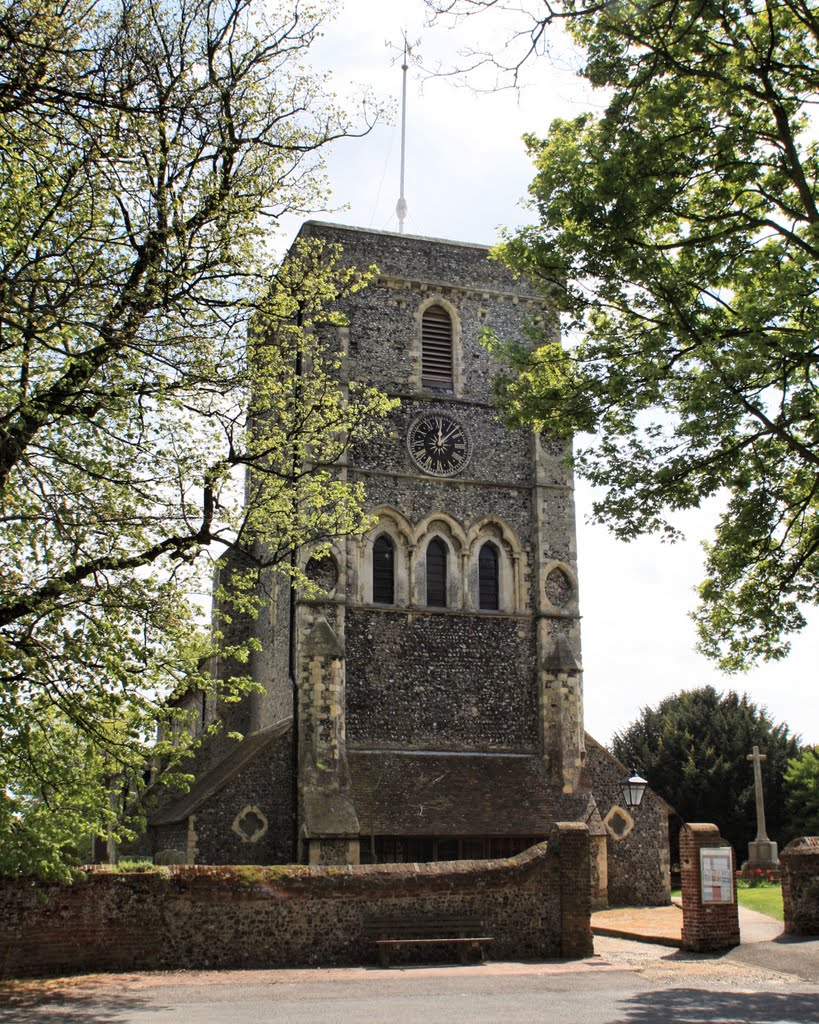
(802, 793)
(528, 35)
(678, 231)
(692, 748)
(145, 149)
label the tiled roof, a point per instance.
(212, 781)
(441, 793)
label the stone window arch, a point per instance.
(395, 530)
(437, 347)
(489, 577)
(436, 574)
(323, 572)
(494, 536)
(560, 587)
(383, 570)
(448, 532)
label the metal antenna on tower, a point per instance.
(401, 205)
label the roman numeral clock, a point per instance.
(439, 444)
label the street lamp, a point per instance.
(633, 789)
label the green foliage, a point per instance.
(135, 866)
(692, 748)
(145, 148)
(802, 793)
(251, 876)
(677, 230)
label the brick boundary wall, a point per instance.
(536, 905)
(800, 885)
(706, 926)
(574, 852)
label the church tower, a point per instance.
(439, 682)
(426, 703)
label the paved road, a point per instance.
(764, 944)
(626, 983)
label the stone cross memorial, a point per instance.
(762, 853)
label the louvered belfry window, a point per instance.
(383, 571)
(488, 589)
(436, 574)
(436, 349)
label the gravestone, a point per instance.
(169, 857)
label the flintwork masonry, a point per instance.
(436, 681)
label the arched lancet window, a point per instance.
(436, 574)
(488, 579)
(383, 571)
(436, 349)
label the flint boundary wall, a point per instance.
(536, 905)
(800, 885)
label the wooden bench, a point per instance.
(465, 934)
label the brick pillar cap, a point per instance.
(702, 826)
(804, 846)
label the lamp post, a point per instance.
(633, 789)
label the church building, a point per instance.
(427, 704)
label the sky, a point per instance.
(467, 173)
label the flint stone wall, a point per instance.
(472, 687)
(800, 885)
(264, 784)
(536, 905)
(638, 862)
(414, 270)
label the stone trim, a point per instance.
(570, 605)
(463, 550)
(437, 298)
(244, 834)
(451, 480)
(334, 551)
(396, 282)
(612, 823)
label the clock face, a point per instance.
(438, 444)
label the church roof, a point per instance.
(593, 745)
(442, 793)
(212, 781)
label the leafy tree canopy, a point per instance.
(146, 147)
(693, 747)
(677, 230)
(802, 793)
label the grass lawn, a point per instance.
(765, 899)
